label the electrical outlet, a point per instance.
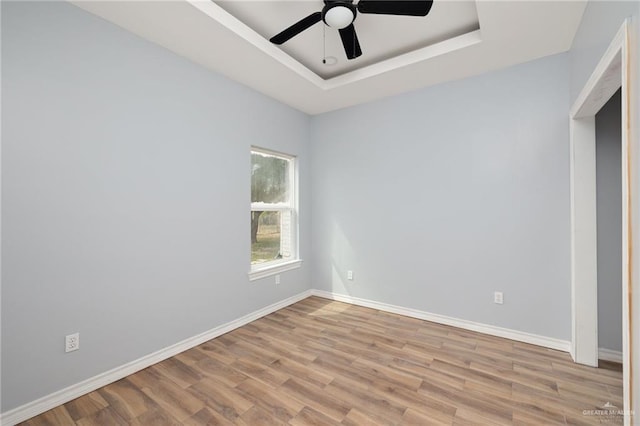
(72, 342)
(277, 279)
(497, 297)
(350, 275)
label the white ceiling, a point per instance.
(511, 32)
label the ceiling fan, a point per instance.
(340, 14)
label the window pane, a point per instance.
(270, 236)
(265, 236)
(269, 178)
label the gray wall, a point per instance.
(437, 198)
(609, 210)
(125, 197)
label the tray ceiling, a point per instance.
(400, 54)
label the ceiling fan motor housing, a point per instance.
(338, 13)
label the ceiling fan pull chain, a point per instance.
(324, 44)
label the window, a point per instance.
(274, 226)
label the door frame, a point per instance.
(615, 70)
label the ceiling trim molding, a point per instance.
(401, 61)
(419, 55)
(241, 29)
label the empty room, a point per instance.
(355, 212)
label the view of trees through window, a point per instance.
(270, 207)
(265, 244)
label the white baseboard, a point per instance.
(609, 355)
(31, 409)
(520, 336)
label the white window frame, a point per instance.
(266, 269)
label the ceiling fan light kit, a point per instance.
(340, 14)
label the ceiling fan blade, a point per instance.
(396, 7)
(350, 42)
(297, 28)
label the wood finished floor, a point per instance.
(320, 362)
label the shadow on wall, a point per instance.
(342, 260)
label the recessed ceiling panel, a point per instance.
(381, 37)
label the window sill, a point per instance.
(274, 269)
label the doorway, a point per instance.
(609, 232)
(611, 74)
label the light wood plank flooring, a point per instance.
(320, 362)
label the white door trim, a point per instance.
(615, 70)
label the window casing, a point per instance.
(274, 215)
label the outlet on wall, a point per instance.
(277, 279)
(72, 342)
(497, 297)
(350, 275)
